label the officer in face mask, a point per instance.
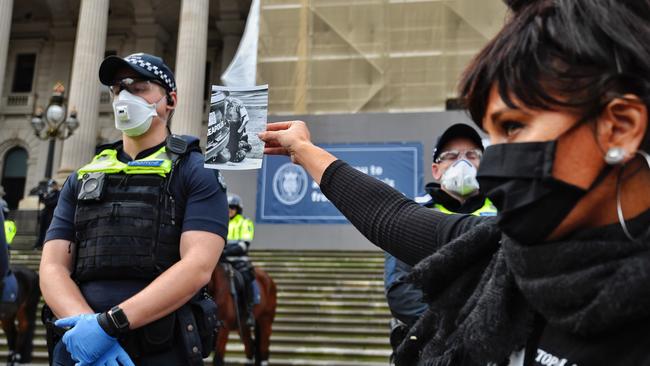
(131, 248)
(456, 158)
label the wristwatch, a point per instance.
(116, 314)
(114, 322)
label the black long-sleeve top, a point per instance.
(387, 218)
(411, 232)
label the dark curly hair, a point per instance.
(564, 54)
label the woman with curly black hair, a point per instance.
(562, 275)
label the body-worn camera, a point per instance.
(92, 186)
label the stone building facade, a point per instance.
(43, 42)
(318, 56)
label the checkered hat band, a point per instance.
(155, 70)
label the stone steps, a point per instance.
(331, 308)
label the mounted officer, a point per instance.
(240, 235)
(456, 158)
(131, 246)
(4, 260)
(9, 225)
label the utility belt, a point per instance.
(193, 325)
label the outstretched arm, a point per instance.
(388, 219)
(385, 216)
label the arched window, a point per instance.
(14, 174)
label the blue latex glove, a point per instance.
(115, 356)
(86, 341)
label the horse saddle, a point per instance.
(240, 278)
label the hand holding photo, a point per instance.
(236, 116)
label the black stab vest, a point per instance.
(129, 233)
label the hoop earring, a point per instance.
(615, 155)
(619, 205)
(644, 155)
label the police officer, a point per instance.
(9, 225)
(10, 228)
(7, 291)
(4, 251)
(456, 158)
(131, 247)
(49, 198)
(240, 234)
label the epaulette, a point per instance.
(193, 143)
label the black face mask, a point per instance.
(517, 177)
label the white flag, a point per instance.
(243, 67)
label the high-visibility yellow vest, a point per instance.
(10, 231)
(240, 228)
(106, 162)
(487, 209)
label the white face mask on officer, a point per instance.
(460, 178)
(133, 114)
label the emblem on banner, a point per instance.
(290, 184)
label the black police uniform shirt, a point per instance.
(197, 192)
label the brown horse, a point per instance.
(19, 319)
(264, 313)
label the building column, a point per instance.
(190, 67)
(6, 9)
(84, 84)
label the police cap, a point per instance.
(456, 131)
(148, 66)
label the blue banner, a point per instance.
(287, 194)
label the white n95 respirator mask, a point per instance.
(133, 114)
(460, 178)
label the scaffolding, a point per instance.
(348, 56)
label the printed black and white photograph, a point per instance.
(237, 115)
